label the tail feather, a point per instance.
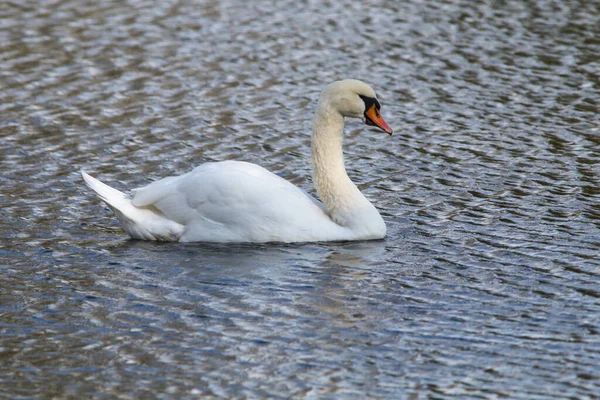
(113, 197)
(146, 223)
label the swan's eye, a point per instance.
(369, 102)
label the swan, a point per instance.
(235, 201)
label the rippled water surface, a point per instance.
(487, 286)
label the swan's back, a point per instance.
(233, 201)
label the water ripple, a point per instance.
(487, 285)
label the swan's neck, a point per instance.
(340, 195)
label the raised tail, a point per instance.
(146, 223)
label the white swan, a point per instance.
(233, 201)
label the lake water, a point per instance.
(487, 286)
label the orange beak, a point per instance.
(373, 118)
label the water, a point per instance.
(486, 287)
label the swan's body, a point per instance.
(234, 201)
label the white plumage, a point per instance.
(233, 201)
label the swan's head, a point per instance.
(355, 99)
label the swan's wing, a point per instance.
(318, 203)
(230, 193)
(151, 193)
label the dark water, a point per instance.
(488, 285)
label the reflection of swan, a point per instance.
(330, 268)
(235, 201)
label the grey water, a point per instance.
(487, 285)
